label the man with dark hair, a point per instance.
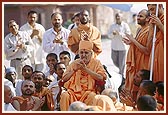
(85, 31)
(27, 102)
(55, 39)
(55, 86)
(27, 71)
(35, 31)
(51, 60)
(138, 78)
(41, 91)
(146, 87)
(137, 56)
(116, 33)
(160, 94)
(146, 103)
(75, 21)
(18, 47)
(65, 57)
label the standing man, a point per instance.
(76, 21)
(137, 56)
(35, 31)
(27, 102)
(158, 63)
(117, 32)
(18, 46)
(55, 38)
(85, 31)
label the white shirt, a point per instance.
(36, 58)
(55, 89)
(72, 26)
(57, 48)
(9, 107)
(9, 83)
(48, 73)
(116, 40)
(11, 42)
(18, 87)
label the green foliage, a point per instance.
(67, 23)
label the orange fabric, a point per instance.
(134, 92)
(83, 44)
(136, 59)
(158, 65)
(123, 107)
(105, 102)
(94, 36)
(48, 95)
(80, 87)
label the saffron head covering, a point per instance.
(83, 44)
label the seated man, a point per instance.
(27, 102)
(159, 95)
(42, 92)
(77, 106)
(146, 103)
(7, 99)
(81, 76)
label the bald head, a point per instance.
(143, 17)
(77, 106)
(28, 88)
(145, 12)
(84, 17)
(7, 94)
(110, 93)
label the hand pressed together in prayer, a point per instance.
(80, 65)
(58, 39)
(42, 101)
(20, 45)
(126, 98)
(115, 32)
(35, 32)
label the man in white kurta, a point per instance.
(18, 46)
(35, 31)
(55, 38)
(117, 32)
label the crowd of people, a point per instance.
(74, 79)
